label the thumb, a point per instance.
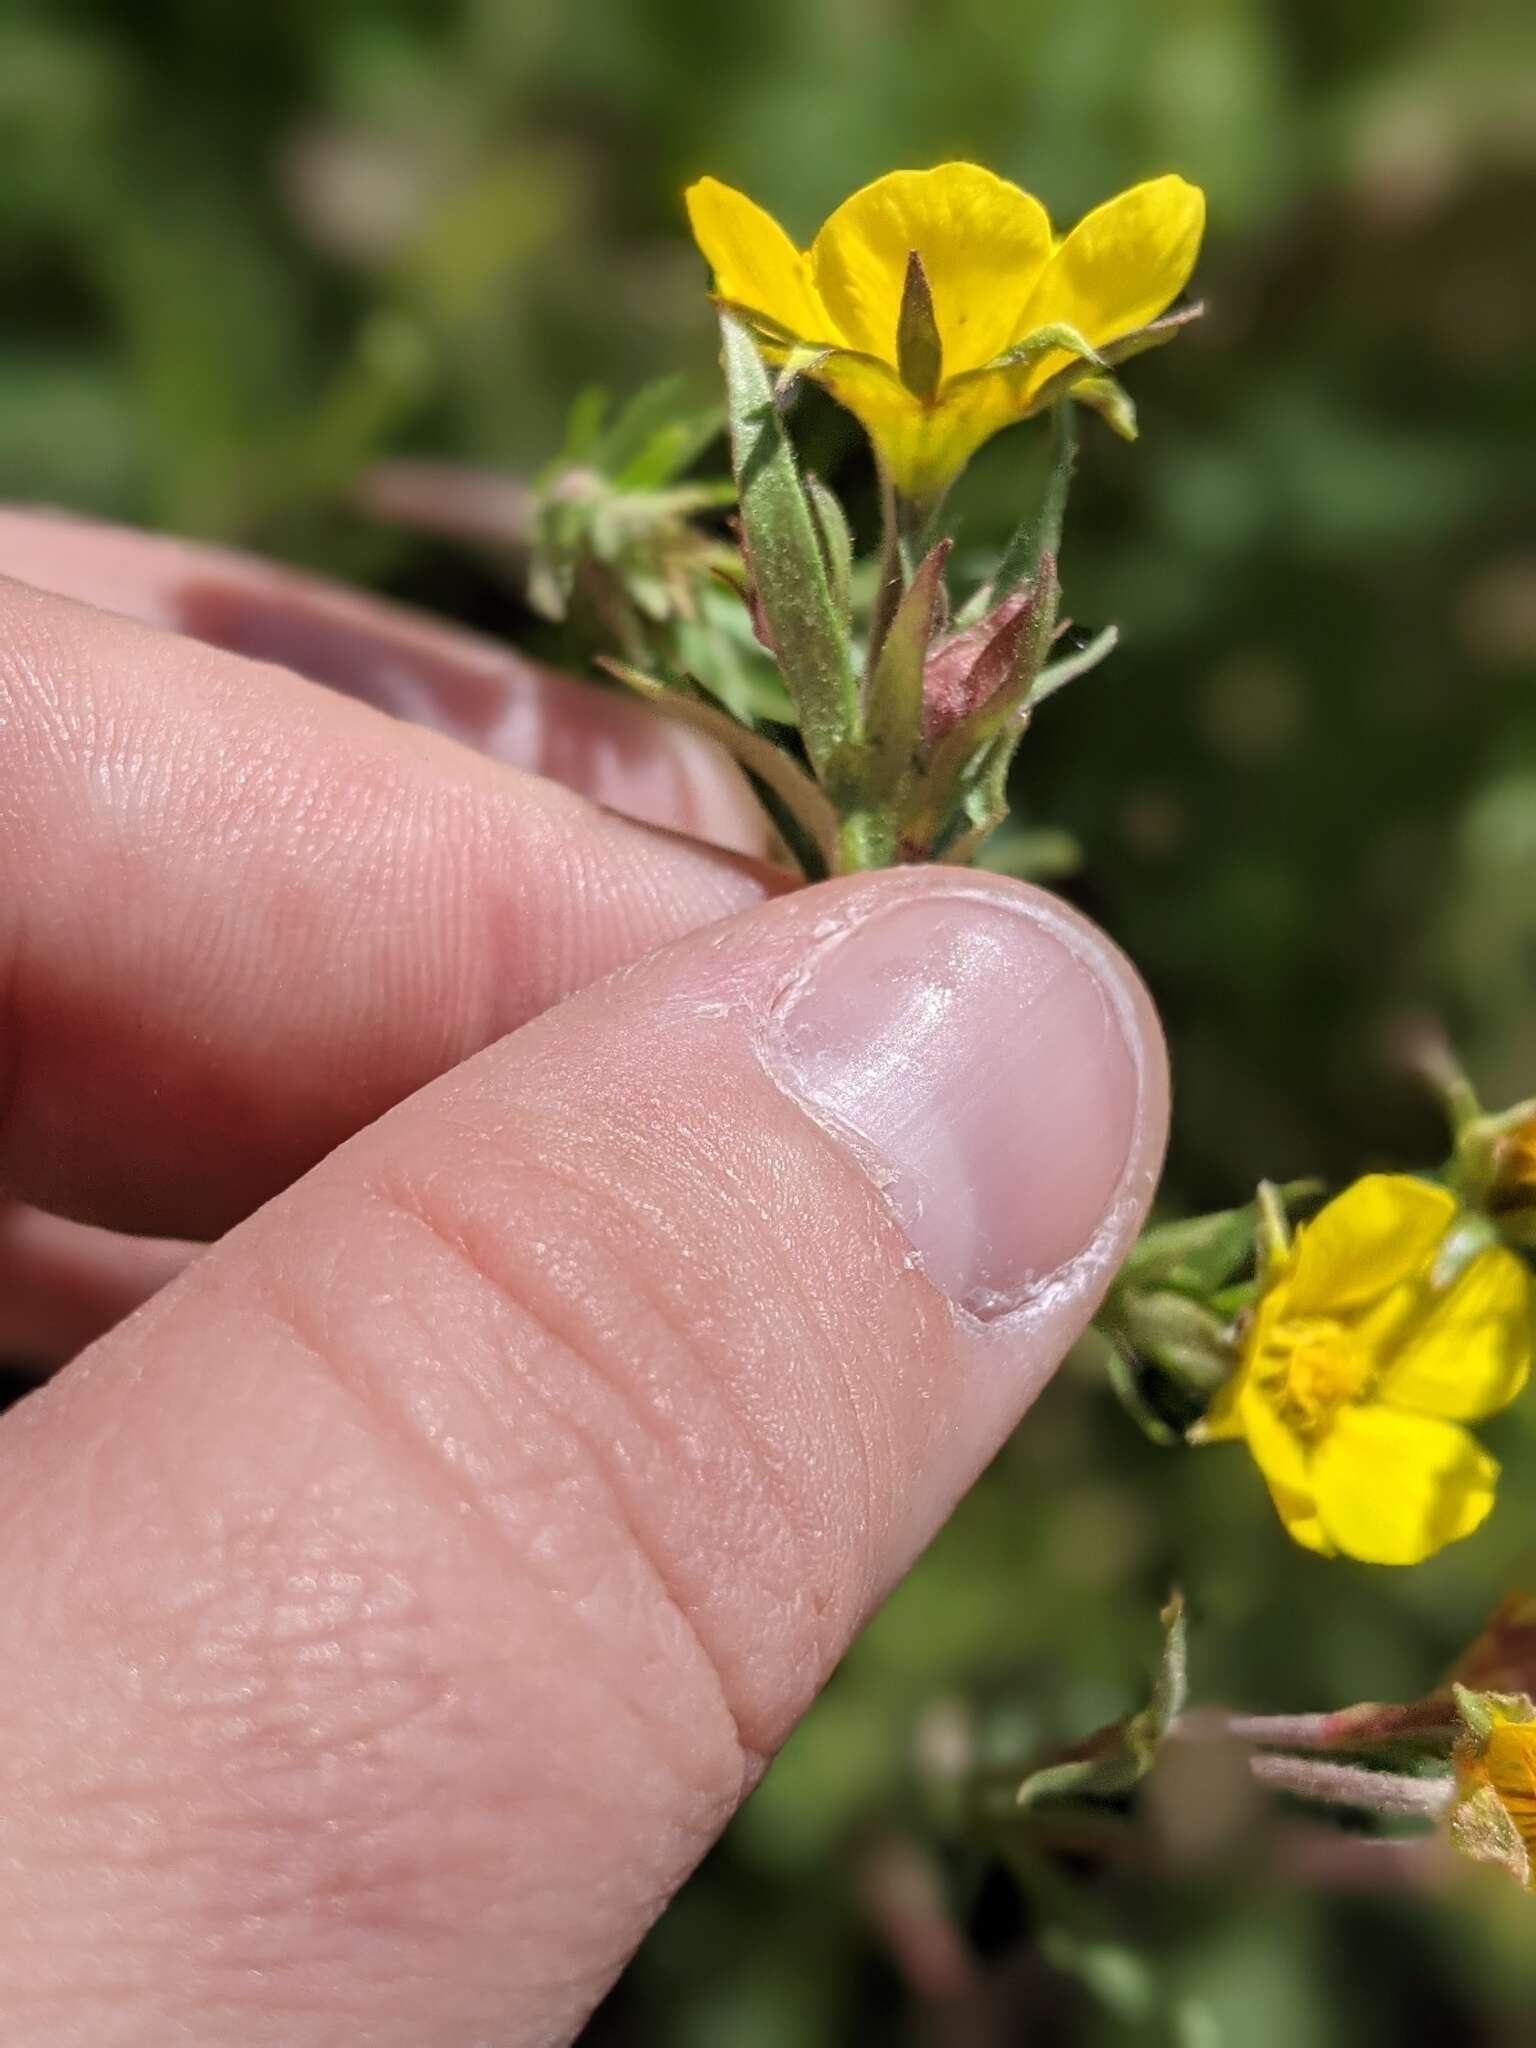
(403, 1599)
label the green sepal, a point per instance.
(1469, 1236)
(784, 554)
(1123, 1754)
(1153, 335)
(1482, 1712)
(1481, 1827)
(1198, 1255)
(919, 349)
(836, 544)
(1181, 1336)
(893, 699)
(765, 761)
(1034, 348)
(1112, 402)
(1125, 1382)
(798, 363)
(1066, 381)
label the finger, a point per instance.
(241, 916)
(62, 1284)
(382, 1685)
(605, 746)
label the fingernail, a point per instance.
(983, 1067)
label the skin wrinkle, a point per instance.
(862, 1530)
(296, 848)
(306, 1960)
(395, 1422)
(586, 1350)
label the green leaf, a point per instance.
(785, 557)
(836, 544)
(761, 757)
(1041, 853)
(1057, 673)
(893, 702)
(583, 426)
(1040, 534)
(1123, 1754)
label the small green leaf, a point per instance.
(1058, 673)
(765, 761)
(1041, 853)
(1120, 1756)
(785, 557)
(656, 434)
(836, 544)
(893, 701)
(583, 425)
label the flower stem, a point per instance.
(888, 591)
(1349, 1785)
(865, 839)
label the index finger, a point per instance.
(242, 916)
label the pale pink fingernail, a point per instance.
(978, 1055)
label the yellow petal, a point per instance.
(755, 263)
(1383, 1230)
(1286, 1464)
(983, 243)
(1470, 1354)
(921, 447)
(1394, 1488)
(1122, 264)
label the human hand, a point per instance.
(621, 1268)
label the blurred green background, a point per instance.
(244, 250)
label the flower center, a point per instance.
(1309, 1367)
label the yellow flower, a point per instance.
(1494, 1820)
(920, 349)
(1358, 1370)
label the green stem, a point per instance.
(865, 839)
(888, 592)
